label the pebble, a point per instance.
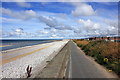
(17, 68)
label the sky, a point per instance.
(51, 20)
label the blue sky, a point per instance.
(41, 20)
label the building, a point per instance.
(114, 39)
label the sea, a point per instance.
(7, 44)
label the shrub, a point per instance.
(99, 59)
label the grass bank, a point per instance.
(105, 53)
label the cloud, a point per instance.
(29, 14)
(78, 30)
(62, 25)
(18, 32)
(88, 28)
(89, 25)
(112, 26)
(49, 21)
(87, 0)
(42, 32)
(24, 15)
(23, 4)
(111, 22)
(111, 30)
(82, 9)
(54, 35)
(7, 20)
(53, 23)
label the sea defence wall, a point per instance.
(58, 67)
(36, 56)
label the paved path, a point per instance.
(81, 66)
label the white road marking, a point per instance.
(70, 68)
(66, 65)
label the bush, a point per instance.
(99, 59)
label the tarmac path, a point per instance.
(81, 66)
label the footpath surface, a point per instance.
(82, 66)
